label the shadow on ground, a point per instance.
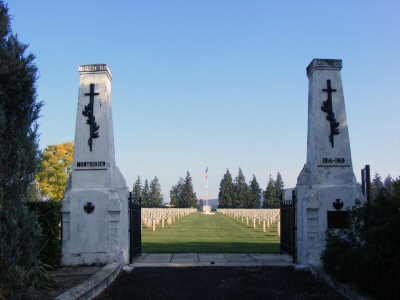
(218, 283)
(211, 247)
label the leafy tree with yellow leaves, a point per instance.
(56, 168)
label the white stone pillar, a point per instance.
(96, 200)
(327, 177)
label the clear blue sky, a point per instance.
(218, 83)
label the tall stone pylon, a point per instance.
(326, 186)
(95, 204)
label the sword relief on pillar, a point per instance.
(88, 112)
(327, 108)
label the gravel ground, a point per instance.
(218, 283)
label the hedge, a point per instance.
(367, 254)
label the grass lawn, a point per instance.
(217, 233)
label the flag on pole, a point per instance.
(207, 173)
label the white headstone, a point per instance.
(95, 204)
(327, 184)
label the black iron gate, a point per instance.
(288, 226)
(135, 228)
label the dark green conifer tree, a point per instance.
(279, 188)
(182, 194)
(156, 199)
(388, 184)
(382, 189)
(146, 195)
(255, 191)
(189, 196)
(242, 191)
(176, 194)
(19, 161)
(137, 190)
(377, 187)
(270, 199)
(226, 191)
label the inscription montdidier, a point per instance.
(90, 164)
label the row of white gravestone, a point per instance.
(153, 217)
(265, 215)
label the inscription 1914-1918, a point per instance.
(333, 162)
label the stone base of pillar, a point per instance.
(95, 227)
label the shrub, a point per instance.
(18, 236)
(43, 279)
(367, 253)
(49, 219)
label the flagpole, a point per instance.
(207, 186)
(207, 191)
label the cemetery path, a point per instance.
(218, 283)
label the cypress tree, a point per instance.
(270, 194)
(156, 199)
(137, 190)
(146, 195)
(182, 194)
(189, 196)
(226, 191)
(176, 194)
(377, 187)
(255, 191)
(19, 162)
(279, 188)
(241, 191)
(389, 184)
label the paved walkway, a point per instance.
(103, 276)
(207, 259)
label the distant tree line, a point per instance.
(148, 195)
(238, 194)
(181, 194)
(274, 192)
(385, 187)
